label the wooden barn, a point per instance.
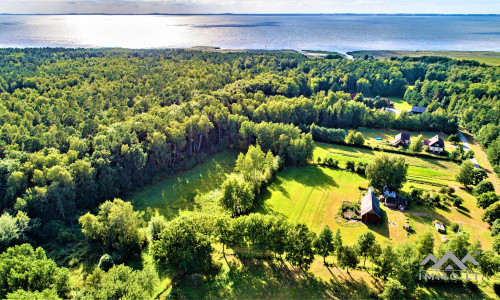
(370, 208)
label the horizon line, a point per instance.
(247, 14)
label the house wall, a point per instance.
(436, 149)
(370, 218)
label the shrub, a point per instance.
(492, 213)
(106, 262)
(454, 227)
(454, 138)
(495, 228)
(486, 199)
(349, 166)
(496, 244)
(360, 168)
(483, 187)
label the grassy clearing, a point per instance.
(486, 57)
(313, 195)
(421, 169)
(176, 194)
(400, 104)
(388, 136)
(310, 195)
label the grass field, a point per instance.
(388, 135)
(314, 194)
(176, 194)
(420, 169)
(310, 195)
(400, 104)
(486, 57)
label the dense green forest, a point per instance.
(79, 127)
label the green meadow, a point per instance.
(176, 194)
(312, 195)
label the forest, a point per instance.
(82, 128)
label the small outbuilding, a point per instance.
(440, 227)
(370, 208)
(435, 144)
(402, 139)
(417, 110)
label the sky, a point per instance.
(250, 6)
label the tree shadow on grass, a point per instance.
(313, 176)
(258, 279)
(383, 227)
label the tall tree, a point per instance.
(323, 244)
(387, 171)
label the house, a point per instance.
(401, 139)
(388, 193)
(435, 144)
(416, 110)
(370, 208)
(440, 227)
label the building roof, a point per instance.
(435, 139)
(403, 136)
(370, 203)
(418, 109)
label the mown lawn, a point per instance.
(420, 169)
(176, 194)
(400, 104)
(313, 195)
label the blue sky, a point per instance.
(252, 6)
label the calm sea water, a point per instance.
(326, 32)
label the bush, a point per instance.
(457, 201)
(349, 166)
(454, 138)
(492, 213)
(496, 244)
(483, 187)
(495, 228)
(487, 199)
(442, 190)
(106, 262)
(454, 227)
(360, 168)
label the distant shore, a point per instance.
(487, 57)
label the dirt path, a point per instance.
(467, 147)
(482, 160)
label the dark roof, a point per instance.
(435, 139)
(418, 109)
(370, 203)
(403, 136)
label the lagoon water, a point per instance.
(340, 33)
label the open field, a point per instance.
(177, 193)
(486, 57)
(421, 169)
(314, 194)
(400, 104)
